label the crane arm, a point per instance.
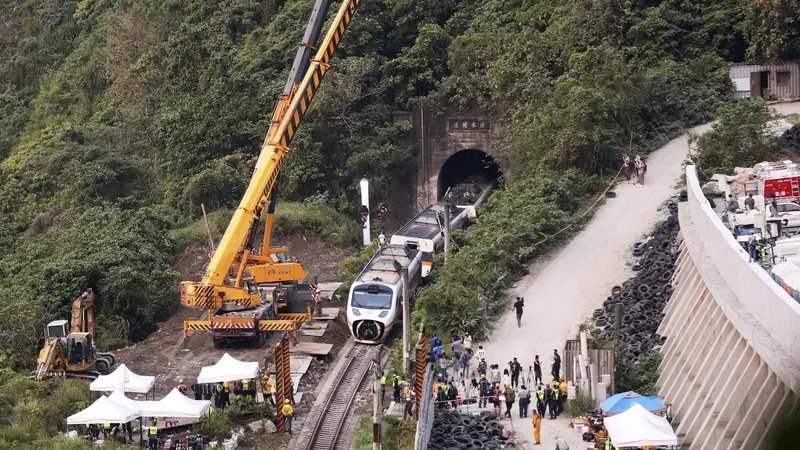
(212, 291)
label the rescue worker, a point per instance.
(220, 392)
(537, 428)
(246, 387)
(438, 385)
(106, 430)
(555, 399)
(541, 404)
(266, 389)
(396, 382)
(510, 399)
(483, 386)
(482, 366)
(442, 396)
(383, 386)
(409, 397)
(181, 387)
(152, 436)
(226, 396)
(288, 414)
(564, 390)
(608, 445)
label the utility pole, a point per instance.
(446, 229)
(406, 323)
(377, 407)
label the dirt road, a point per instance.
(562, 291)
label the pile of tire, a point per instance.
(454, 431)
(644, 295)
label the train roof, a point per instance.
(386, 264)
(468, 194)
(426, 224)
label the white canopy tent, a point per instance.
(175, 405)
(638, 427)
(228, 368)
(136, 405)
(123, 377)
(103, 410)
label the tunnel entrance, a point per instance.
(466, 166)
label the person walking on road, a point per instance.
(518, 305)
(626, 167)
(556, 364)
(524, 398)
(639, 165)
(506, 380)
(510, 398)
(537, 428)
(497, 401)
(288, 414)
(537, 370)
(516, 369)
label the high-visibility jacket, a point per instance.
(220, 388)
(267, 388)
(540, 394)
(246, 385)
(383, 380)
(106, 426)
(556, 394)
(607, 445)
(287, 410)
(152, 431)
(396, 381)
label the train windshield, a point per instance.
(372, 299)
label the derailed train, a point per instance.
(375, 301)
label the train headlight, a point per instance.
(356, 312)
(383, 314)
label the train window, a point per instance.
(368, 300)
(412, 245)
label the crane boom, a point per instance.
(212, 291)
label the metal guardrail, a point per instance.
(425, 412)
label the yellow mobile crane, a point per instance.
(234, 283)
(72, 355)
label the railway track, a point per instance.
(327, 425)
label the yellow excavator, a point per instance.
(72, 354)
(243, 286)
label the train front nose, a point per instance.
(368, 330)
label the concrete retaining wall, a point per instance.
(730, 364)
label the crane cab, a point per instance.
(80, 350)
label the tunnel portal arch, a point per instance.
(467, 165)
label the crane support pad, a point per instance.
(295, 317)
(277, 325)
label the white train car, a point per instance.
(470, 195)
(424, 231)
(375, 300)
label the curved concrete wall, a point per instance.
(730, 364)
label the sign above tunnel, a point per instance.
(468, 125)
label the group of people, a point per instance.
(400, 393)
(636, 167)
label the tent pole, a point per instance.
(141, 439)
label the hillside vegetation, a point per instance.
(118, 118)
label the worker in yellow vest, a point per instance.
(181, 387)
(608, 445)
(266, 389)
(152, 436)
(288, 413)
(383, 385)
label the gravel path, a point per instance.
(562, 291)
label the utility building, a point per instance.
(771, 81)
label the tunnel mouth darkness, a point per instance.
(466, 166)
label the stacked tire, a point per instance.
(453, 431)
(645, 295)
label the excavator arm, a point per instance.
(235, 247)
(82, 313)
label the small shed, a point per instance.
(771, 81)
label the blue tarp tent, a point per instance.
(619, 403)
